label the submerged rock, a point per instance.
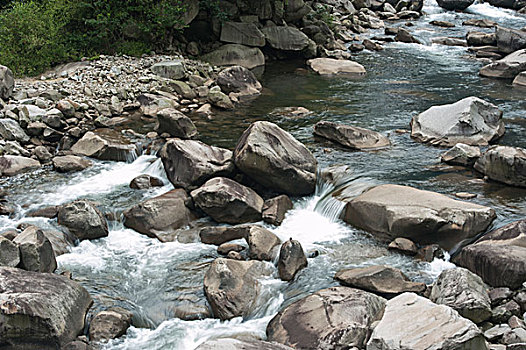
(83, 220)
(331, 66)
(291, 260)
(220, 234)
(504, 164)
(14, 165)
(110, 324)
(351, 136)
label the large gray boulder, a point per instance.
(414, 322)
(455, 5)
(504, 164)
(332, 318)
(110, 324)
(41, 311)
(61, 242)
(286, 38)
(175, 123)
(330, 66)
(236, 344)
(231, 286)
(463, 291)
(170, 69)
(163, 214)
(425, 217)
(262, 244)
(471, 121)
(240, 81)
(227, 201)
(7, 82)
(70, 163)
(189, 163)
(351, 136)
(510, 40)
(275, 159)
(36, 251)
(10, 130)
(236, 55)
(105, 144)
(14, 165)
(83, 219)
(9, 253)
(506, 68)
(242, 33)
(291, 259)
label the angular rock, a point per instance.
(110, 324)
(219, 99)
(70, 163)
(36, 251)
(274, 209)
(504, 164)
(151, 104)
(105, 145)
(7, 82)
(351, 136)
(14, 165)
(332, 318)
(242, 33)
(413, 322)
(481, 39)
(170, 69)
(422, 216)
(291, 260)
(471, 121)
(231, 287)
(83, 220)
(61, 242)
(225, 200)
(145, 181)
(220, 234)
(10, 130)
(496, 332)
(240, 81)
(506, 68)
(175, 123)
(262, 244)
(236, 344)
(235, 54)
(510, 40)
(455, 5)
(331, 66)
(404, 246)
(275, 159)
(461, 154)
(286, 38)
(520, 80)
(9, 253)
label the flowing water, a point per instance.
(155, 280)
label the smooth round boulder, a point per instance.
(7, 82)
(262, 244)
(70, 163)
(455, 5)
(331, 66)
(504, 164)
(110, 324)
(351, 136)
(145, 181)
(36, 251)
(175, 123)
(291, 259)
(83, 220)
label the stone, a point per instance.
(496, 332)
(189, 164)
(61, 242)
(461, 154)
(449, 41)
(405, 37)
(291, 260)
(36, 251)
(414, 322)
(40, 310)
(236, 344)
(404, 246)
(105, 144)
(286, 38)
(422, 216)
(66, 108)
(151, 104)
(275, 159)
(274, 209)
(520, 80)
(471, 121)
(371, 45)
(219, 99)
(383, 280)
(169, 69)
(145, 181)
(516, 336)
(499, 295)
(262, 244)
(46, 212)
(175, 123)
(235, 54)
(9, 253)
(474, 38)
(110, 324)
(226, 248)
(220, 234)
(10, 130)
(443, 24)
(331, 66)
(510, 40)
(227, 201)
(83, 219)
(77, 345)
(351, 136)
(42, 153)
(455, 5)
(160, 215)
(7, 83)
(70, 163)
(14, 165)
(231, 286)
(240, 81)
(480, 22)
(332, 318)
(504, 164)
(506, 68)
(463, 291)
(242, 33)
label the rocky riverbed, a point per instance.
(365, 190)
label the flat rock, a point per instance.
(170, 69)
(331, 66)
(286, 38)
(14, 165)
(351, 136)
(504, 164)
(105, 144)
(221, 234)
(70, 163)
(506, 68)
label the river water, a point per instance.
(153, 279)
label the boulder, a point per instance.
(225, 200)
(480, 22)
(110, 324)
(242, 33)
(231, 286)
(274, 209)
(464, 292)
(422, 216)
(520, 80)
(461, 154)
(331, 66)
(332, 318)
(510, 40)
(471, 121)
(9, 253)
(504, 164)
(351, 136)
(61, 242)
(226, 248)
(151, 104)
(105, 144)
(145, 181)
(219, 99)
(286, 38)
(162, 214)
(404, 36)
(506, 68)
(235, 54)
(275, 159)
(449, 41)
(404, 246)
(189, 163)
(455, 5)
(170, 69)
(70, 163)
(474, 38)
(10, 130)
(175, 123)
(40, 310)
(236, 344)
(14, 165)
(383, 280)
(291, 260)
(83, 220)
(7, 82)
(240, 81)
(414, 322)
(36, 251)
(220, 234)
(262, 244)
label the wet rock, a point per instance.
(471, 121)
(510, 40)
(235, 256)
(274, 209)
(219, 99)
(240, 81)
(110, 324)
(220, 234)
(70, 163)
(382, 280)
(231, 286)
(226, 248)
(191, 311)
(506, 68)
(504, 164)
(275, 159)
(105, 145)
(242, 33)
(7, 82)
(160, 215)
(14, 165)
(443, 24)
(10, 130)
(61, 242)
(404, 36)
(413, 322)
(371, 45)
(449, 41)
(480, 22)
(331, 66)
(262, 244)
(225, 200)
(520, 80)
(429, 253)
(235, 54)
(236, 344)
(46, 212)
(83, 220)
(36, 252)
(145, 181)
(481, 39)
(41, 309)
(9, 253)
(404, 246)
(169, 69)
(175, 123)
(463, 291)
(332, 318)
(455, 5)
(422, 216)
(189, 164)
(291, 260)
(461, 154)
(351, 136)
